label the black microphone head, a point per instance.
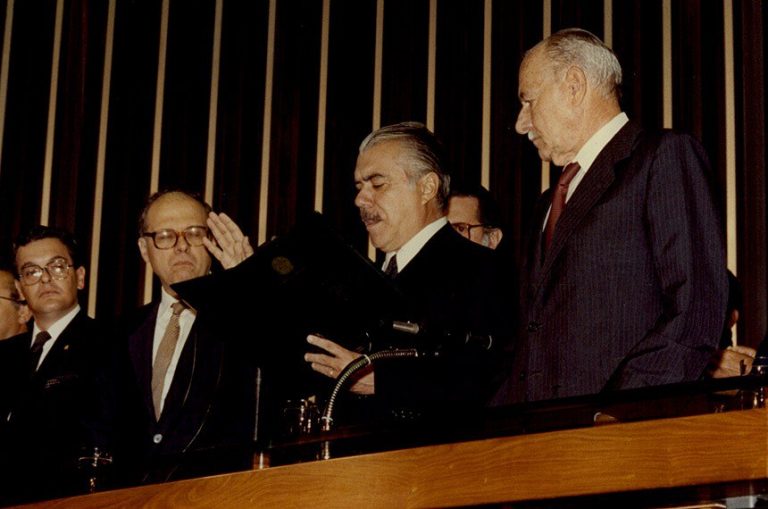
(760, 364)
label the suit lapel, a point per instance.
(60, 347)
(597, 181)
(182, 377)
(140, 349)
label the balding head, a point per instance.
(569, 89)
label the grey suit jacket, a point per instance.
(632, 290)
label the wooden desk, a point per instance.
(665, 453)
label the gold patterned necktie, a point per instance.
(37, 348)
(558, 200)
(163, 358)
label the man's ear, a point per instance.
(23, 314)
(576, 84)
(80, 275)
(494, 237)
(428, 186)
(143, 249)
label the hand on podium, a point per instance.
(333, 363)
(733, 361)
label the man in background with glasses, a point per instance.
(473, 213)
(14, 313)
(188, 383)
(49, 394)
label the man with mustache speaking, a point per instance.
(402, 193)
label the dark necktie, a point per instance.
(164, 354)
(37, 348)
(558, 201)
(391, 269)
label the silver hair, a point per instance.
(574, 46)
(425, 153)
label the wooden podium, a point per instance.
(692, 453)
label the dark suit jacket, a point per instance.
(207, 421)
(453, 287)
(54, 412)
(632, 290)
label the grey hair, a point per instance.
(425, 153)
(575, 46)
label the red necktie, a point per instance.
(558, 200)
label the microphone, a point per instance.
(444, 338)
(760, 363)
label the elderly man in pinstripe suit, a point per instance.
(624, 281)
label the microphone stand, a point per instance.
(343, 379)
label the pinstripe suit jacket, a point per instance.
(632, 290)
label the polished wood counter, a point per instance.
(665, 453)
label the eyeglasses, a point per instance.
(466, 228)
(166, 239)
(15, 301)
(56, 269)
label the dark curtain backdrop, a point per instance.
(697, 31)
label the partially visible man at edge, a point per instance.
(14, 313)
(402, 191)
(623, 281)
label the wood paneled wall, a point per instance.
(261, 105)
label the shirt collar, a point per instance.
(58, 327)
(411, 248)
(599, 140)
(166, 299)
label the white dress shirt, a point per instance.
(186, 319)
(411, 248)
(54, 330)
(589, 152)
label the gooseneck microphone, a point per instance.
(344, 377)
(441, 339)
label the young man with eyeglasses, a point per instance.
(187, 380)
(49, 395)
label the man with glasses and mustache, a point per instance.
(49, 395)
(189, 384)
(402, 194)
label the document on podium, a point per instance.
(309, 281)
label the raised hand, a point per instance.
(231, 246)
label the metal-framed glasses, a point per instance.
(167, 239)
(57, 269)
(466, 228)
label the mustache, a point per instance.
(367, 215)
